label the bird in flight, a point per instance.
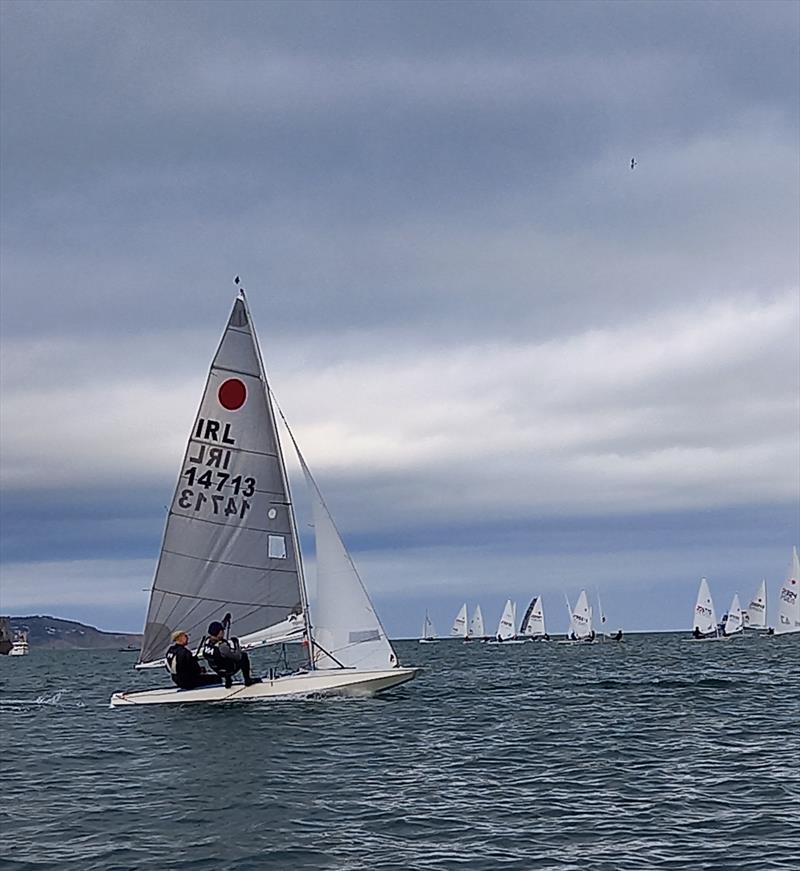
(633, 163)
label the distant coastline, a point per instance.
(53, 633)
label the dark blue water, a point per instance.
(655, 753)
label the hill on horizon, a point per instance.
(53, 633)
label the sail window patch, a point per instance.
(277, 547)
(363, 635)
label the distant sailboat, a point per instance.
(789, 600)
(506, 628)
(476, 630)
(755, 615)
(532, 625)
(428, 631)
(704, 627)
(582, 619)
(734, 624)
(460, 628)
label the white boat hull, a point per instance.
(713, 638)
(312, 683)
(506, 643)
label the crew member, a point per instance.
(185, 670)
(226, 657)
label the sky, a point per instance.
(515, 365)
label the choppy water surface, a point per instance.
(654, 753)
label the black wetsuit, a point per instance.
(185, 669)
(226, 658)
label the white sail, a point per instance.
(506, 629)
(733, 622)
(601, 613)
(346, 630)
(789, 599)
(582, 617)
(705, 618)
(230, 545)
(533, 620)
(476, 629)
(755, 615)
(571, 625)
(428, 629)
(460, 627)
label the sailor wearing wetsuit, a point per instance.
(226, 657)
(185, 670)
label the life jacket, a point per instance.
(171, 660)
(221, 664)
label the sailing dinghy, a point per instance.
(460, 628)
(476, 630)
(755, 615)
(789, 599)
(532, 625)
(734, 624)
(231, 547)
(704, 626)
(580, 622)
(506, 628)
(428, 631)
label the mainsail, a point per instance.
(230, 544)
(755, 616)
(460, 628)
(476, 629)
(733, 622)
(789, 599)
(705, 618)
(428, 629)
(582, 617)
(506, 629)
(533, 620)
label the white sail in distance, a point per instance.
(789, 599)
(705, 618)
(755, 615)
(571, 624)
(476, 629)
(460, 628)
(734, 622)
(428, 629)
(582, 617)
(533, 620)
(506, 629)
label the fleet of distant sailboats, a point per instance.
(531, 628)
(753, 619)
(581, 627)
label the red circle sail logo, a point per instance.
(232, 394)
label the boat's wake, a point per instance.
(43, 701)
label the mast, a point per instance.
(285, 480)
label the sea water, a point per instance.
(654, 753)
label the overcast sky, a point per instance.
(515, 365)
